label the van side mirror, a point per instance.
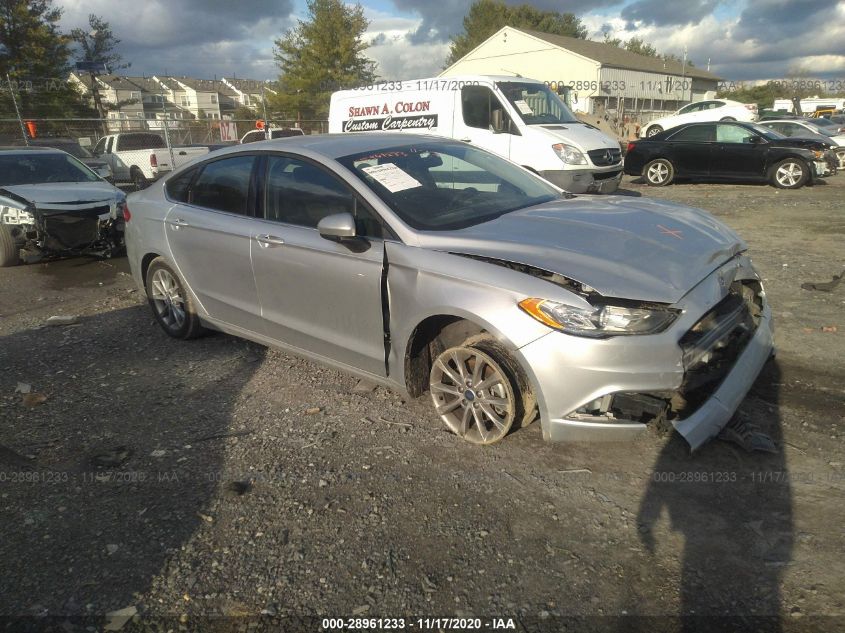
(338, 226)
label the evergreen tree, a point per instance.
(97, 45)
(319, 55)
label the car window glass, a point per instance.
(477, 104)
(178, 186)
(101, 146)
(252, 137)
(109, 144)
(224, 185)
(457, 173)
(693, 107)
(733, 134)
(716, 104)
(298, 192)
(136, 141)
(695, 133)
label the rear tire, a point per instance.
(653, 130)
(138, 179)
(659, 172)
(10, 253)
(171, 303)
(790, 173)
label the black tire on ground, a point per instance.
(652, 130)
(790, 173)
(10, 254)
(138, 179)
(171, 303)
(659, 172)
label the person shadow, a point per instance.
(734, 512)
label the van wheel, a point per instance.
(659, 172)
(138, 179)
(790, 173)
(170, 302)
(10, 253)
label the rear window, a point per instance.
(178, 187)
(129, 142)
(695, 133)
(224, 185)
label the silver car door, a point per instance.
(209, 235)
(321, 296)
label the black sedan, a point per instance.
(731, 151)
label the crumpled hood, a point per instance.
(72, 194)
(623, 247)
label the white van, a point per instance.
(520, 119)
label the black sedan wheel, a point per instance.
(171, 303)
(654, 130)
(659, 172)
(790, 173)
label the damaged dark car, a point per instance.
(53, 205)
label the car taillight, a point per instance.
(153, 160)
(631, 145)
(127, 214)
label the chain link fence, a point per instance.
(137, 151)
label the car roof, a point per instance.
(338, 145)
(26, 149)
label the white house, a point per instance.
(597, 74)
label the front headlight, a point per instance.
(569, 155)
(818, 154)
(599, 321)
(15, 215)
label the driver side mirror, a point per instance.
(339, 226)
(755, 140)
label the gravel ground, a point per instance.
(182, 480)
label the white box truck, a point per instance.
(520, 119)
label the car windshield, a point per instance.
(441, 186)
(74, 149)
(536, 103)
(36, 168)
(818, 129)
(766, 132)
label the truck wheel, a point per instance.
(138, 179)
(10, 253)
(790, 173)
(659, 172)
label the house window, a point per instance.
(213, 98)
(185, 102)
(135, 95)
(246, 100)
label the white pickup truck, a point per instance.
(142, 157)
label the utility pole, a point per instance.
(264, 113)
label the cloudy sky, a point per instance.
(742, 39)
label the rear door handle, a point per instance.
(177, 223)
(268, 241)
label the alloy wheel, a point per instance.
(789, 174)
(658, 173)
(472, 395)
(168, 299)
(840, 160)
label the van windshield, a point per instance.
(441, 186)
(536, 103)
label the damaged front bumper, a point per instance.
(691, 377)
(88, 228)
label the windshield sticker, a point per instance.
(523, 107)
(391, 177)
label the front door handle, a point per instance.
(177, 223)
(268, 241)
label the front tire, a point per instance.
(790, 173)
(653, 131)
(475, 392)
(171, 304)
(10, 253)
(659, 172)
(840, 159)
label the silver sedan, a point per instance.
(428, 265)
